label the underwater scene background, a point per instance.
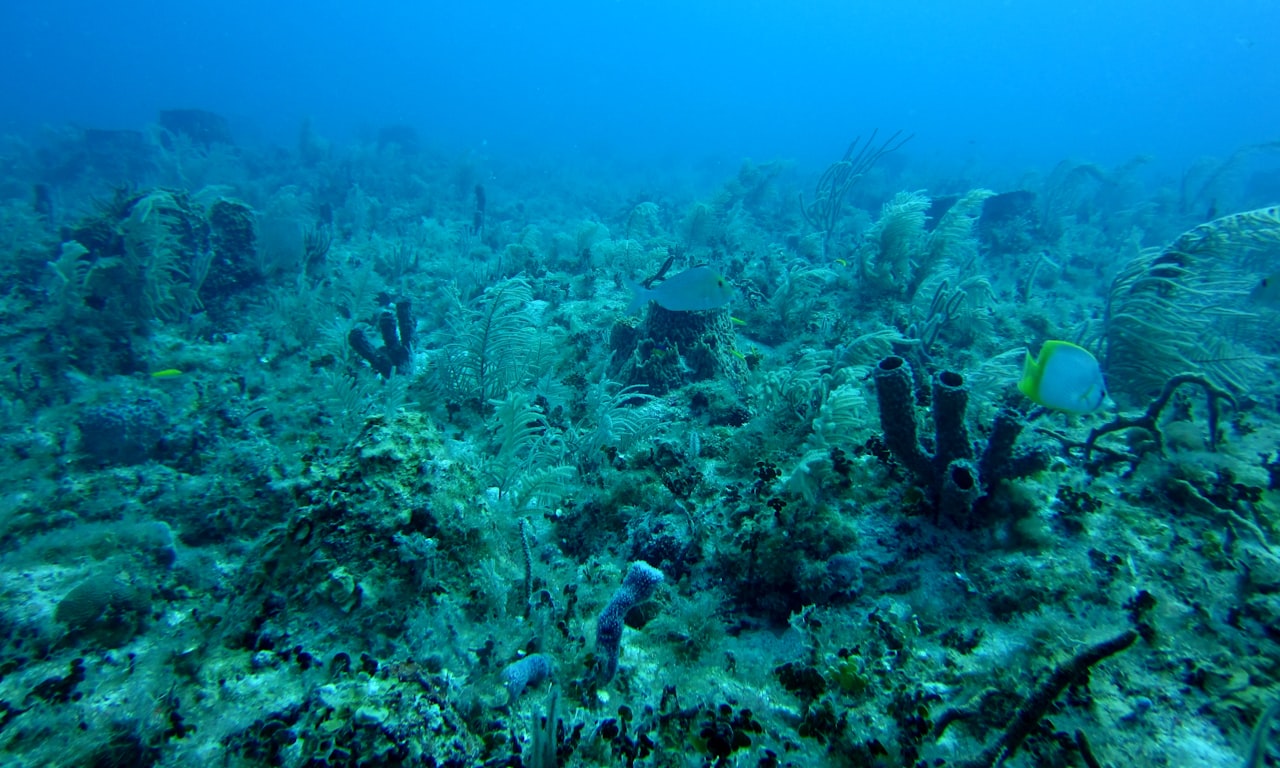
(640, 384)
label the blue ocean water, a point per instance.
(1000, 82)
(640, 383)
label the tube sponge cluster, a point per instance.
(641, 580)
(953, 478)
(397, 341)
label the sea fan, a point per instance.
(525, 463)
(951, 242)
(1186, 307)
(885, 261)
(492, 344)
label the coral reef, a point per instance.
(350, 461)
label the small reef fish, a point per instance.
(167, 373)
(1267, 291)
(694, 289)
(1065, 378)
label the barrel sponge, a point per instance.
(104, 610)
(123, 432)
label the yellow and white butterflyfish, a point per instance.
(1065, 377)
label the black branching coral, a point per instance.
(1037, 703)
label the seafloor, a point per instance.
(351, 456)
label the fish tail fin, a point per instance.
(639, 297)
(1027, 385)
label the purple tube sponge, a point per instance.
(531, 670)
(637, 587)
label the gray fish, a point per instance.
(694, 289)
